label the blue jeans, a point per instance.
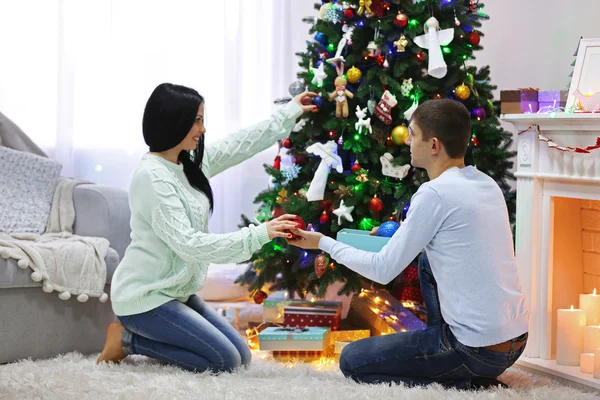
(425, 356)
(190, 335)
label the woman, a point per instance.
(153, 289)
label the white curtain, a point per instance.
(75, 76)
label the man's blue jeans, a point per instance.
(425, 356)
(190, 335)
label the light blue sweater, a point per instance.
(461, 221)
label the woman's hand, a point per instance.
(281, 226)
(310, 107)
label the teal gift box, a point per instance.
(362, 240)
(274, 304)
(309, 338)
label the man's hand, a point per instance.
(308, 240)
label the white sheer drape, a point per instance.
(75, 76)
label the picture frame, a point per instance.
(586, 75)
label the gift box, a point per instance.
(295, 339)
(313, 313)
(362, 240)
(302, 355)
(274, 304)
(337, 349)
(519, 101)
(350, 336)
(383, 313)
(552, 99)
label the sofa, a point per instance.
(35, 324)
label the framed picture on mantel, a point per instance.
(584, 93)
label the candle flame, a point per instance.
(571, 306)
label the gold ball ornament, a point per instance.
(463, 92)
(322, 10)
(354, 74)
(399, 134)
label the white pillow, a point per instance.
(27, 184)
(220, 284)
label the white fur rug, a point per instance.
(73, 376)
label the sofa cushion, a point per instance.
(27, 184)
(11, 276)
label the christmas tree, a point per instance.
(372, 62)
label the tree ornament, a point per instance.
(318, 101)
(323, 11)
(401, 20)
(433, 39)
(299, 224)
(380, 59)
(391, 170)
(406, 87)
(399, 134)
(324, 219)
(332, 14)
(364, 6)
(277, 163)
(401, 44)
(478, 113)
(319, 76)
(384, 108)
(291, 173)
(362, 122)
(259, 297)
(344, 212)
(329, 159)
(300, 160)
(387, 229)
(287, 143)
(378, 8)
(474, 38)
(296, 88)
(362, 176)
(375, 204)
(420, 56)
(349, 13)
(355, 167)
(321, 263)
(462, 92)
(340, 96)
(354, 74)
(343, 192)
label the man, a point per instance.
(477, 320)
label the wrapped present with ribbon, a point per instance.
(519, 101)
(313, 313)
(382, 313)
(274, 304)
(294, 339)
(552, 100)
(303, 355)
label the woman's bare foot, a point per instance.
(113, 351)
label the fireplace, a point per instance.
(558, 226)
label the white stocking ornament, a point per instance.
(329, 159)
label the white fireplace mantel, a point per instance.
(543, 173)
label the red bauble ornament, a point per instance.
(349, 13)
(300, 160)
(324, 219)
(287, 143)
(278, 212)
(375, 204)
(277, 162)
(377, 8)
(321, 264)
(420, 56)
(355, 167)
(474, 38)
(260, 297)
(401, 20)
(299, 224)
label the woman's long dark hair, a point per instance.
(170, 113)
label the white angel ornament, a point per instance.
(433, 39)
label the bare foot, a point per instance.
(113, 351)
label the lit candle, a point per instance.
(590, 303)
(597, 364)
(586, 363)
(591, 338)
(569, 336)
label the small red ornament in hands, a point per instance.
(259, 297)
(299, 224)
(277, 162)
(355, 167)
(474, 38)
(375, 204)
(321, 263)
(287, 143)
(324, 219)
